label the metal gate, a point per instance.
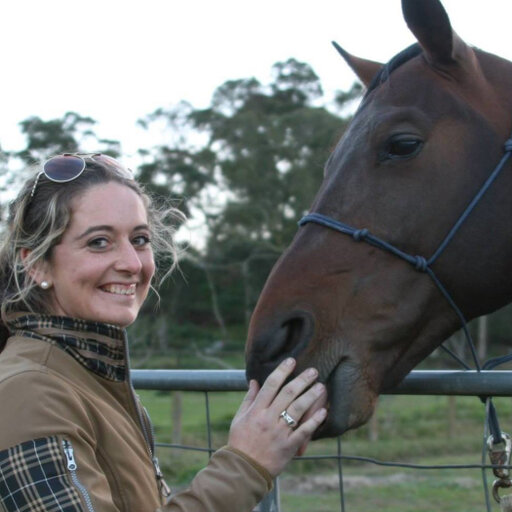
(442, 382)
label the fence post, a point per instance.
(270, 502)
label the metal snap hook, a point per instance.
(499, 454)
(498, 484)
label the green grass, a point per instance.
(410, 429)
(369, 488)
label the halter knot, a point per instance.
(360, 234)
(420, 263)
(508, 145)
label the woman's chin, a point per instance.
(120, 318)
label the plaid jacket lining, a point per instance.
(79, 339)
(34, 477)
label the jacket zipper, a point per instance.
(164, 489)
(72, 467)
(149, 435)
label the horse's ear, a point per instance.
(429, 22)
(364, 69)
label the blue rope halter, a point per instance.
(423, 264)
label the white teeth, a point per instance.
(120, 289)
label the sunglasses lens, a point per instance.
(64, 168)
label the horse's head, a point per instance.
(428, 132)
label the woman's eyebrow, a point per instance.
(106, 227)
(92, 229)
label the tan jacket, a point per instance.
(72, 431)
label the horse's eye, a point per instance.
(401, 147)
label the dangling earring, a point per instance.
(45, 285)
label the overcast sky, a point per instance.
(119, 60)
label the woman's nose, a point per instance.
(128, 259)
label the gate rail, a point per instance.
(419, 382)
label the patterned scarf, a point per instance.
(98, 347)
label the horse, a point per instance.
(407, 237)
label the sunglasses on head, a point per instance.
(68, 167)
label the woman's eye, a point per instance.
(401, 147)
(98, 243)
(141, 240)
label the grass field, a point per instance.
(419, 430)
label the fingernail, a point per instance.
(311, 372)
(322, 413)
(318, 388)
(289, 361)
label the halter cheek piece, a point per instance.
(423, 264)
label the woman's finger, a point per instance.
(304, 432)
(305, 402)
(318, 404)
(309, 414)
(293, 389)
(249, 397)
(274, 382)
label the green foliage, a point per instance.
(271, 149)
(66, 135)
(254, 174)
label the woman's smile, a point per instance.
(119, 289)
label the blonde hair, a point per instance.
(37, 223)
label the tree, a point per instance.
(66, 135)
(253, 177)
(69, 134)
(271, 145)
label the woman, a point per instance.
(76, 266)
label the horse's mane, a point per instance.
(399, 59)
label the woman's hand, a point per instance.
(258, 428)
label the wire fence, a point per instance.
(482, 384)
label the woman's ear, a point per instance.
(37, 271)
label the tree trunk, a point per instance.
(215, 304)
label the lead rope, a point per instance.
(498, 443)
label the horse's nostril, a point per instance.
(283, 339)
(286, 338)
(289, 339)
(292, 329)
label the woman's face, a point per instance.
(102, 268)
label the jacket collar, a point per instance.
(99, 347)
